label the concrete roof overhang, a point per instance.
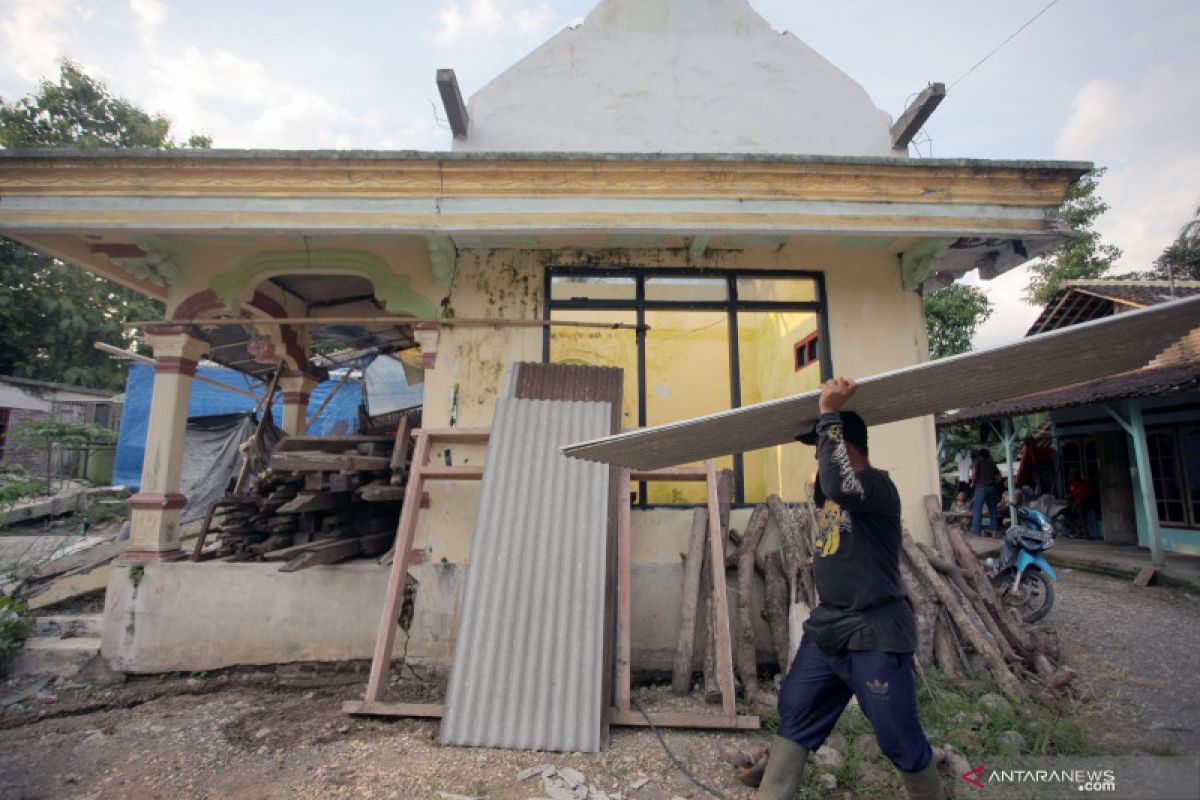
(943, 217)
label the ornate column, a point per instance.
(296, 387)
(155, 510)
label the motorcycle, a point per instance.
(1023, 578)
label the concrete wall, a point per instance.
(682, 76)
(184, 616)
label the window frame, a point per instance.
(731, 305)
(1174, 435)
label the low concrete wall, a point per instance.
(187, 617)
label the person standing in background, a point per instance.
(984, 478)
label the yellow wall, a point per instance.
(875, 326)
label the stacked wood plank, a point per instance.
(963, 627)
(322, 500)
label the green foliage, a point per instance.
(51, 312)
(136, 573)
(49, 433)
(15, 625)
(952, 315)
(1081, 257)
(1181, 258)
(79, 111)
(15, 486)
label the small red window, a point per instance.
(807, 351)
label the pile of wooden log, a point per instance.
(963, 626)
(321, 500)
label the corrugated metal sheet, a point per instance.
(1051, 360)
(527, 669)
(536, 381)
(1140, 383)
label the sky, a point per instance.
(1107, 81)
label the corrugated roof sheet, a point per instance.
(536, 381)
(1039, 363)
(527, 669)
(1138, 383)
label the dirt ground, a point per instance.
(280, 732)
(267, 734)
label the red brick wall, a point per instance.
(32, 459)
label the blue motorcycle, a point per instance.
(1023, 578)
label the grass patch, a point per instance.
(976, 719)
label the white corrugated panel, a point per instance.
(1039, 363)
(528, 657)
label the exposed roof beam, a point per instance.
(916, 114)
(456, 109)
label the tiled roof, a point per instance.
(1080, 301)
(1143, 382)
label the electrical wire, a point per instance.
(1006, 41)
(676, 761)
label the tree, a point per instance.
(79, 111)
(952, 315)
(1082, 256)
(51, 312)
(1181, 259)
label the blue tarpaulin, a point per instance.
(340, 416)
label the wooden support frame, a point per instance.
(421, 471)
(621, 714)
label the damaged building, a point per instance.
(731, 216)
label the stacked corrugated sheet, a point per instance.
(529, 661)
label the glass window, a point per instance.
(777, 290)
(582, 287)
(692, 367)
(764, 341)
(1190, 438)
(1164, 473)
(687, 375)
(686, 290)
(600, 347)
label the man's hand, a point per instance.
(834, 394)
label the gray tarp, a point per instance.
(211, 460)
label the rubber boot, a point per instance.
(785, 766)
(924, 785)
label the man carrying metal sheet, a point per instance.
(860, 640)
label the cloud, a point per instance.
(241, 104)
(150, 15)
(484, 20)
(1145, 133)
(35, 34)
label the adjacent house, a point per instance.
(1134, 436)
(23, 400)
(678, 166)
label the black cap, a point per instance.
(854, 431)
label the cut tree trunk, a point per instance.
(681, 677)
(745, 654)
(775, 609)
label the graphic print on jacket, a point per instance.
(833, 524)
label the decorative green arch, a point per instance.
(393, 290)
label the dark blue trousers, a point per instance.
(984, 495)
(819, 686)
